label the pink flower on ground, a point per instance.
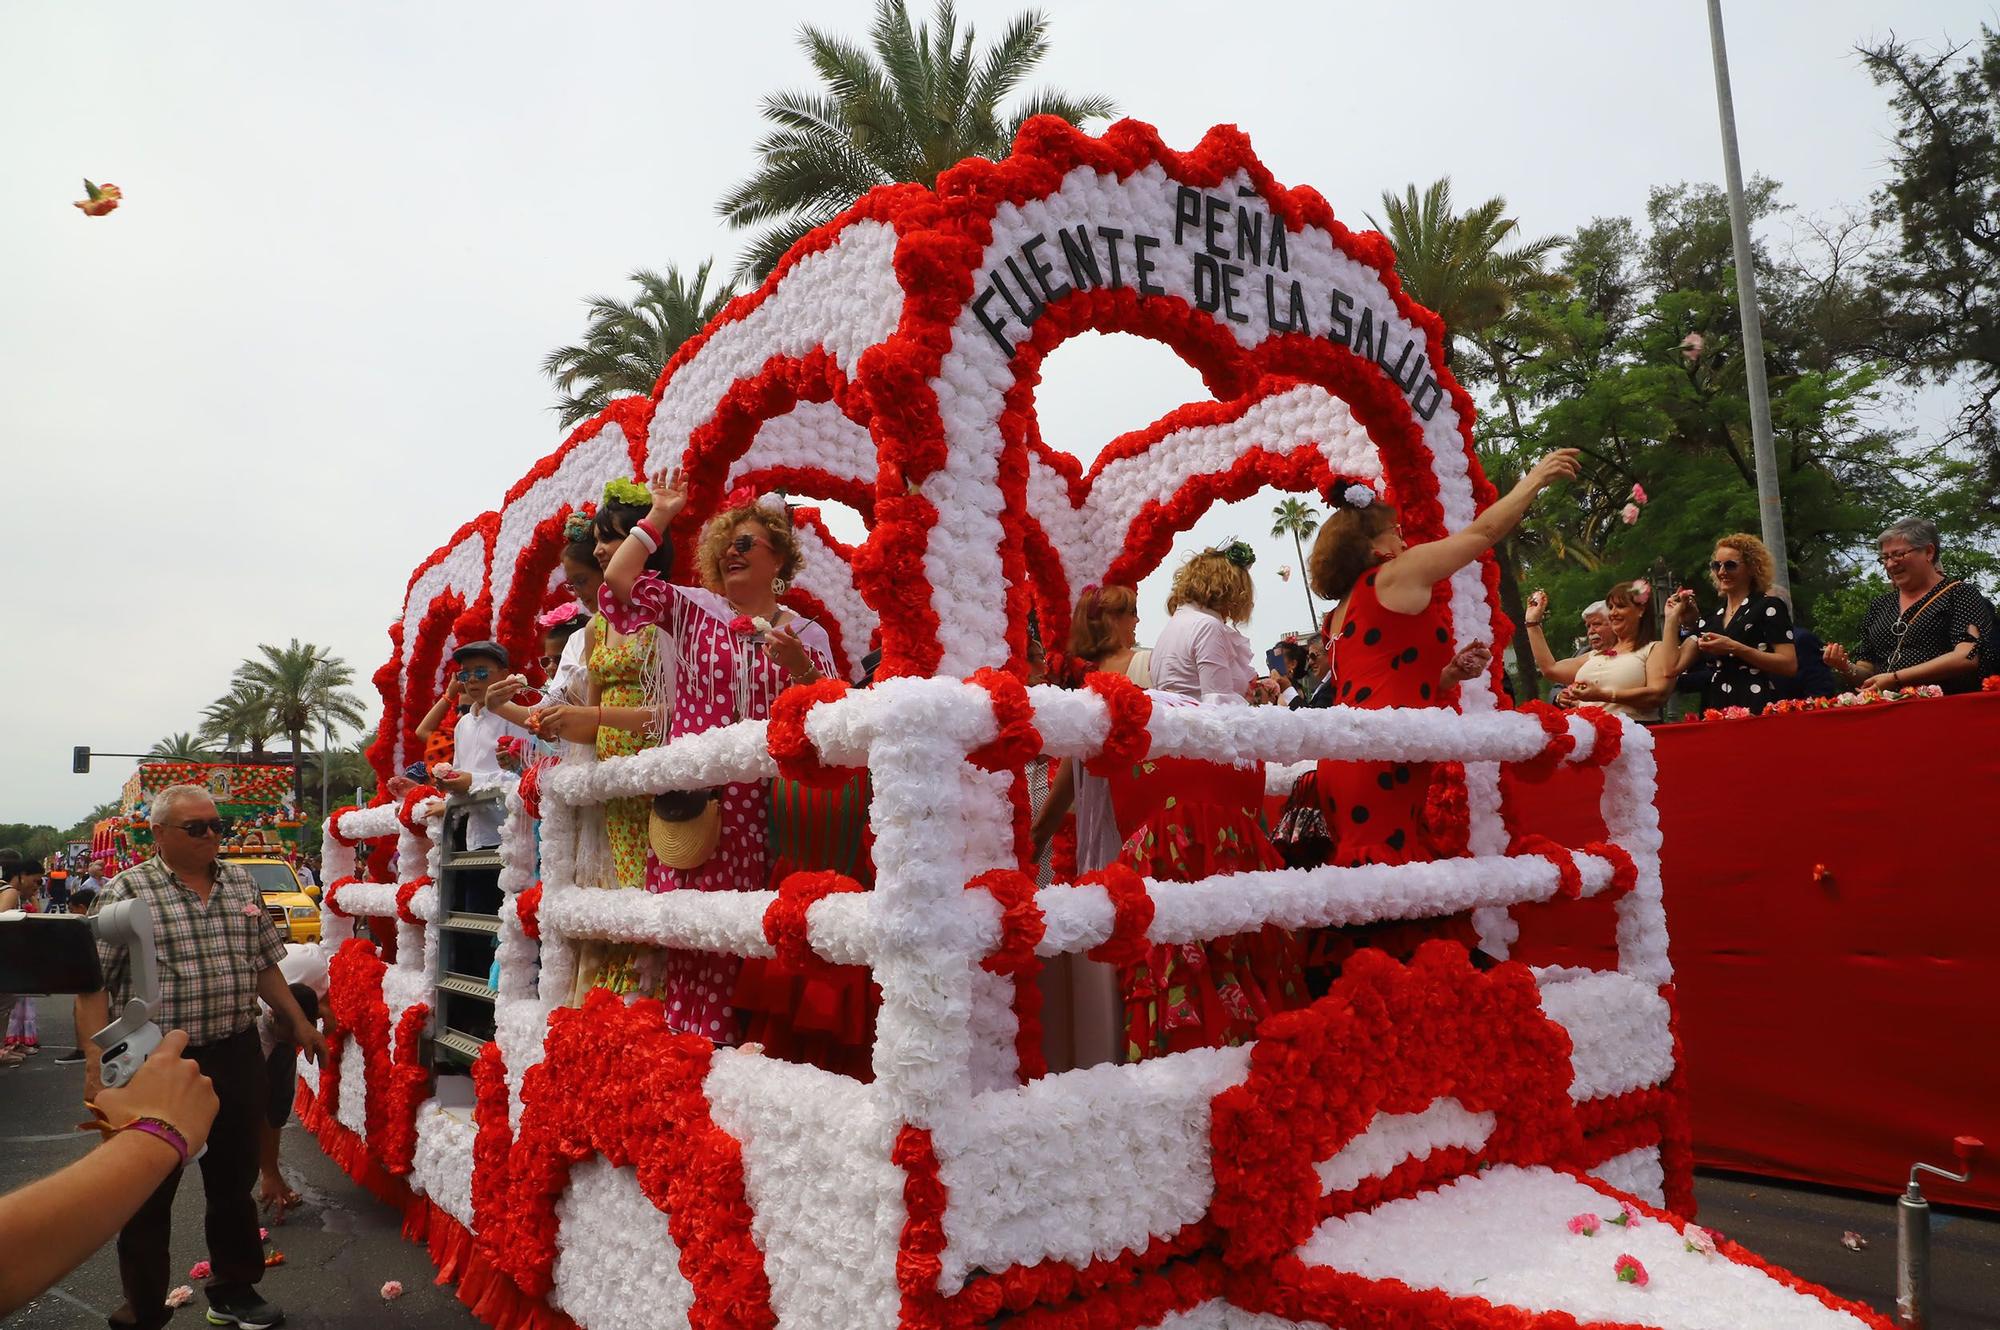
(263, 1234)
(1629, 513)
(200, 1270)
(1626, 1216)
(1629, 1271)
(1698, 1239)
(181, 1296)
(392, 1290)
(1586, 1225)
(1638, 492)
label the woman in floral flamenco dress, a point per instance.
(729, 648)
(617, 717)
(1184, 820)
(1391, 648)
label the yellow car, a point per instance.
(294, 912)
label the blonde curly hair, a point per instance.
(1209, 580)
(721, 528)
(1757, 564)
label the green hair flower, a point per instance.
(1238, 552)
(629, 492)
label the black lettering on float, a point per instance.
(992, 325)
(1141, 265)
(1294, 317)
(1218, 212)
(1020, 312)
(1041, 268)
(1277, 254)
(1342, 331)
(1364, 336)
(1187, 212)
(1207, 284)
(1403, 381)
(1082, 259)
(1035, 303)
(1112, 235)
(1250, 234)
(1424, 408)
(1231, 275)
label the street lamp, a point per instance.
(1770, 509)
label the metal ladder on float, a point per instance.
(468, 924)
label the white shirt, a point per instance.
(475, 750)
(1198, 654)
(572, 675)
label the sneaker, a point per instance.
(250, 1312)
(75, 1055)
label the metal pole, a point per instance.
(1913, 1259)
(325, 742)
(1770, 510)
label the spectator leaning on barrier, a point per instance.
(1928, 628)
(218, 953)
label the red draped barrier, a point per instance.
(1835, 915)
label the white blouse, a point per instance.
(1198, 654)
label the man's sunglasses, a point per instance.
(1723, 565)
(201, 828)
(479, 673)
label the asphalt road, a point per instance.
(342, 1244)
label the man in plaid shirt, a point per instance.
(218, 953)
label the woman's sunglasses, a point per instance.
(744, 544)
(1723, 565)
(202, 828)
(548, 664)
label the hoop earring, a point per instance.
(779, 586)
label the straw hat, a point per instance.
(684, 827)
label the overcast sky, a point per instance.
(244, 406)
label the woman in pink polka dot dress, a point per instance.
(722, 668)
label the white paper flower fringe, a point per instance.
(1394, 1138)
(617, 1267)
(1084, 1164)
(1501, 1235)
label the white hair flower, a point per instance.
(1357, 496)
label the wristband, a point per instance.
(164, 1130)
(645, 535)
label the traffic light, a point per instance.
(79, 759)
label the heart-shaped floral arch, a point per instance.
(890, 363)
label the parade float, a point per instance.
(255, 797)
(1427, 1144)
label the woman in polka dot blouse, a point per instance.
(1748, 636)
(726, 667)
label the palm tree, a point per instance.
(1296, 518)
(626, 344)
(182, 747)
(303, 689)
(340, 770)
(1453, 264)
(239, 717)
(915, 105)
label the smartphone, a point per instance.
(48, 953)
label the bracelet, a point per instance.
(642, 531)
(163, 1130)
(1531, 623)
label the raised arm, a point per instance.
(1404, 583)
(1561, 671)
(628, 561)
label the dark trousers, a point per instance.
(228, 1175)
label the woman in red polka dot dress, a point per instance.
(725, 666)
(1390, 648)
